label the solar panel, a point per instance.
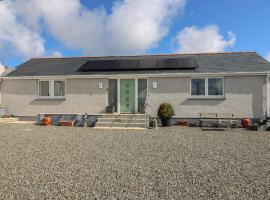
(140, 64)
(100, 65)
(167, 63)
(129, 64)
(188, 62)
(147, 64)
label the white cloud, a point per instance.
(136, 26)
(268, 57)
(132, 27)
(15, 36)
(56, 54)
(207, 39)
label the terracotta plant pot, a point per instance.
(183, 123)
(47, 121)
(246, 122)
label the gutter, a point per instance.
(150, 75)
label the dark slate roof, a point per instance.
(208, 63)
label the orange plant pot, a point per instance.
(246, 122)
(47, 121)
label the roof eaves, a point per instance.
(149, 55)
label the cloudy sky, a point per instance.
(56, 28)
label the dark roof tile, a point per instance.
(208, 63)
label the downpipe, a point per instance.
(267, 95)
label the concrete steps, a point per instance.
(121, 121)
(15, 120)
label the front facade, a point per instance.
(243, 92)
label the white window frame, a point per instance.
(206, 96)
(51, 89)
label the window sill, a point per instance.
(51, 98)
(206, 98)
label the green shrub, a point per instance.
(165, 111)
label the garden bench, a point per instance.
(66, 122)
(217, 120)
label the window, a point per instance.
(59, 88)
(215, 86)
(44, 88)
(51, 89)
(207, 87)
(142, 93)
(112, 100)
(197, 87)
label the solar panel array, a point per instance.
(188, 63)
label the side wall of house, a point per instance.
(245, 96)
(268, 97)
(82, 95)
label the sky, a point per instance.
(62, 28)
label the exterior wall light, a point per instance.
(155, 85)
(100, 85)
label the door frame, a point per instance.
(136, 91)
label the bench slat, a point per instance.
(216, 115)
(217, 120)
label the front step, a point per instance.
(122, 121)
(135, 125)
(119, 128)
(123, 116)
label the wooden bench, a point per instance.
(66, 123)
(217, 120)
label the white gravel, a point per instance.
(169, 163)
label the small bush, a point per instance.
(165, 112)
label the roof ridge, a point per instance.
(145, 55)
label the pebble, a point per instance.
(169, 163)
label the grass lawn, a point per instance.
(169, 163)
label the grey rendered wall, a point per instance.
(82, 95)
(245, 96)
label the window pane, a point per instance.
(215, 86)
(142, 92)
(112, 100)
(197, 87)
(44, 89)
(59, 88)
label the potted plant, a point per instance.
(165, 113)
(110, 109)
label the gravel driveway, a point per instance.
(170, 163)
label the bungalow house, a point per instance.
(235, 83)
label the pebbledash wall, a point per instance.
(82, 96)
(245, 96)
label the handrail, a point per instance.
(146, 105)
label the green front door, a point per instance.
(127, 96)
